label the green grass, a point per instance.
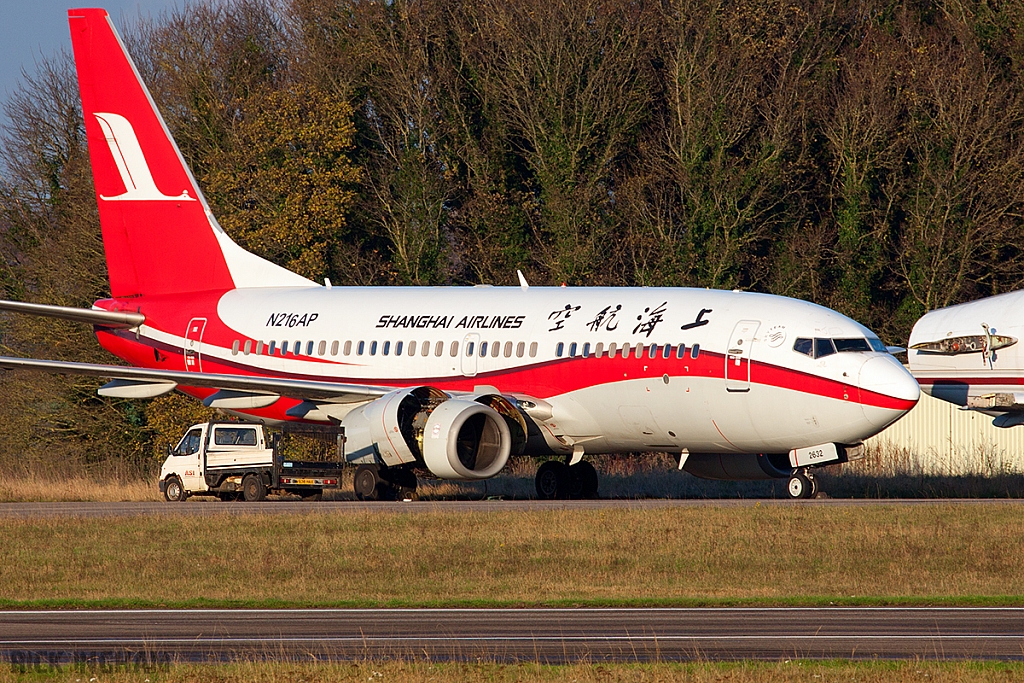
(761, 555)
(416, 672)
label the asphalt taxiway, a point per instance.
(544, 635)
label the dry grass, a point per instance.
(772, 672)
(884, 473)
(803, 555)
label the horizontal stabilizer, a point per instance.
(328, 392)
(118, 320)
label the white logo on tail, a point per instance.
(131, 163)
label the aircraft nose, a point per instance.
(887, 390)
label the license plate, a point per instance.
(305, 482)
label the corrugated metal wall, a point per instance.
(937, 437)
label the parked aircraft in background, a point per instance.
(969, 355)
(452, 381)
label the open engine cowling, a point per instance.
(455, 438)
(739, 466)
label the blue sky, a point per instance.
(34, 29)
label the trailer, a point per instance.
(238, 461)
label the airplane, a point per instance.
(450, 382)
(968, 355)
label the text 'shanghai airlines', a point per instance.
(452, 380)
(969, 355)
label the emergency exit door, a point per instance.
(194, 345)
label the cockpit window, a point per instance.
(848, 345)
(823, 347)
(877, 345)
(804, 345)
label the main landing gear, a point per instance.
(557, 480)
(802, 485)
(373, 482)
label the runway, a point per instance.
(544, 635)
(216, 507)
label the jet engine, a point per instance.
(736, 466)
(454, 438)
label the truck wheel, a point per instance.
(253, 489)
(173, 490)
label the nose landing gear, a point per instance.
(802, 485)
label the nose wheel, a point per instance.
(802, 485)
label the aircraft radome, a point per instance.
(452, 380)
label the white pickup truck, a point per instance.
(235, 461)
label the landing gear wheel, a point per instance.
(553, 480)
(801, 486)
(582, 481)
(253, 490)
(368, 484)
(401, 481)
(173, 491)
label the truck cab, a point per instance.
(236, 461)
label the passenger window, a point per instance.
(586, 350)
(495, 349)
(284, 348)
(387, 348)
(533, 349)
(611, 350)
(823, 347)
(360, 348)
(439, 349)
(483, 350)
(508, 349)
(625, 350)
(599, 349)
(298, 348)
(259, 348)
(234, 348)
(412, 348)
(469, 348)
(373, 348)
(667, 351)
(653, 353)
(559, 349)
(234, 436)
(309, 348)
(520, 349)
(639, 350)
(321, 348)
(348, 349)
(804, 345)
(334, 347)
(248, 347)
(572, 350)
(695, 351)
(680, 350)
(455, 348)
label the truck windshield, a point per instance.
(189, 443)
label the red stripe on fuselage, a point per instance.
(543, 379)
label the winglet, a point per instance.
(522, 280)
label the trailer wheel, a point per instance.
(253, 489)
(173, 490)
(367, 483)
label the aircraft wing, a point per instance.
(235, 390)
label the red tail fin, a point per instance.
(158, 232)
